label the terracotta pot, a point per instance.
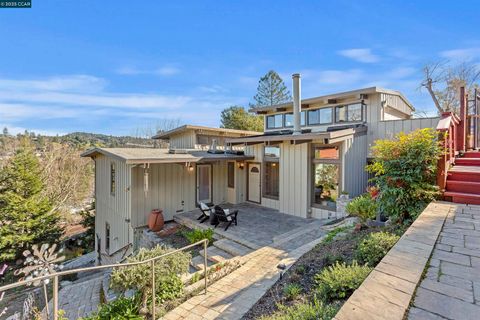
(155, 220)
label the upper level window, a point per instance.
(208, 140)
(349, 113)
(320, 116)
(275, 121)
(272, 152)
(289, 119)
(112, 179)
(303, 118)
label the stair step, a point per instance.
(199, 263)
(216, 255)
(467, 161)
(461, 197)
(472, 154)
(464, 173)
(232, 247)
(463, 186)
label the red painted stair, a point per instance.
(463, 180)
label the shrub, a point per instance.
(305, 311)
(196, 235)
(122, 308)
(340, 280)
(333, 233)
(363, 207)
(331, 259)
(292, 291)
(139, 277)
(375, 246)
(405, 172)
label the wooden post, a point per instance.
(462, 126)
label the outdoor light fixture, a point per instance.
(282, 268)
(241, 165)
(190, 167)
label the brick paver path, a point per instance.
(451, 287)
(232, 296)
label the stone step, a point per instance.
(216, 255)
(232, 247)
(198, 263)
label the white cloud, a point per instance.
(168, 70)
(71, 83)
(465, 54)
(364, 55)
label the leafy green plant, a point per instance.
(315, 310)
(405, 172)
(375, 246)
(331, 259)
(331, 234)
(340, 280)
(363, 207)
(196, 235)
(300, 269)
(292, 291)
(120, 309)
(139, 277)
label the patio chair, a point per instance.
(225, 216)
(206, 210)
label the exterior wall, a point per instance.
(112, 209)
(395, 102)
(355, 178)
(184, 140)
(388, 129)
(171, 187)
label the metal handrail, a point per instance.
(116, 265)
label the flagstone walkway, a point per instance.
(451, 287)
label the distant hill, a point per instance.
(107, 141)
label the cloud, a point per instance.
(70, 83)
(167, 70)
(363, 55)
(465, 54)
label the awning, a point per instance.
(326, 137)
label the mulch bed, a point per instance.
(303, 272)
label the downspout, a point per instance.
(297, 104)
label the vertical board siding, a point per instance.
(112, 209)
(184, 140)
(354, 175)
(388, 129)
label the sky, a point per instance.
(122, 67)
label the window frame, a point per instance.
(108, 235)
(313, 162)
(362, 112)
(231, 175)
(113, 178)
(274, 163)
(319, 123)
(273, 116)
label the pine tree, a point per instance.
(5, 131)
(271, 90)
(26, 215)
(236, 117)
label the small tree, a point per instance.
(5, 131)
(236, 117)
(271, 90)
(405, 172)
(26, 216)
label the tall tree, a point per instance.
(443, 82)
(5, 131)
(236, 117)
(271, 90)
(26, 215)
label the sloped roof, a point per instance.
(151, 155)
(167, 134)
(337, 95)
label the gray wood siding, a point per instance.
(114, 209)
(355, 177)
(184, 140)
(396, 102)
(388, 129)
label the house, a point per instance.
(311, 151)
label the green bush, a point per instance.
(196, 235)
(363, 207)
(292, 291)
(333, 233)
(120, 309)
(305, 311)
(375, 246)
(139, 277)
(405, 172)
(340, 280)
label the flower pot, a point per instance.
(155, 220)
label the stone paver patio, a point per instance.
(451, 287)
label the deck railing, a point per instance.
(448, 128)
(151, 262)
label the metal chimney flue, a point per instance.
(297, 104)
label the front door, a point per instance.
(254, 182)
(204, 183)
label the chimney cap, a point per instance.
(296, 75)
